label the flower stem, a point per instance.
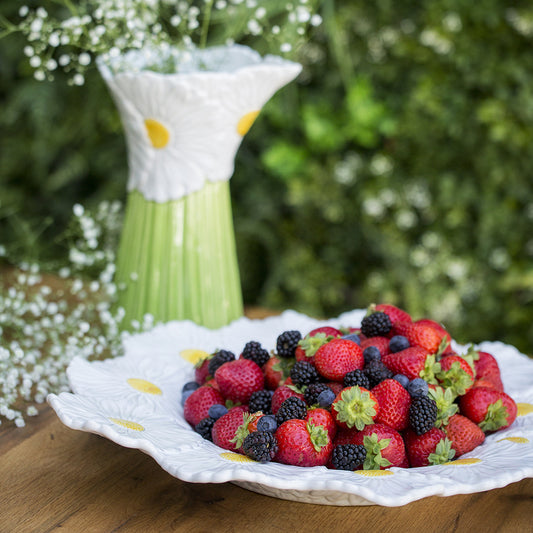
(205, 23)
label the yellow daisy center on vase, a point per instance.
(193, 355)
(523, 409)
(157, 133)
(144, 386)
(128, 424)
(374, 473)
(465, 461)
(236, 457)
(245, 122)
(520, 440)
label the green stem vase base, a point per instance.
(177, 260)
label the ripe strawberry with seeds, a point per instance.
(281, 394)
(394, 402)
(455, 374)
(354, 407)
(486, 367)
(201, 371)
(225, 429)
(238, 379)
(274, 372)
(322, 417)
(197, 405)
(381, 343)
(338, 357)
(490, 409)
(316, 338)
(439, 328)
(413, 362)
(395, 313)
(301, 443)
(430, 448)
(463, 434)
(423, 335)
(385, 447)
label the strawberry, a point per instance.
(281, 394)
(487, 368)
(490, 409)
(394, 402)
(463, 434)
(381, 343)
(439, 328)
(338, 357)
(430, 448)
(301, 443)
(413, 362)
(322, 417)
(308, 346)
(197, 405)
(395, 313)
(423, 335)
(335, 386)
(238, 379)
(384, 447)
(354, 407)
(226, 428)
(484, 382)
(455, 374)
(273, 371)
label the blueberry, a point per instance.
(185, 395)
(353, 337)
(190, 385)
(217, 410)
(371, 354)
(417, 387)
(398, 343)
(402, 380)
(326, 398)
(267, 423)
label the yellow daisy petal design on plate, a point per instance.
(236, 457)
(157, 133)
(520, 440)
(128, 424)
(374, 473)
(465, 461)
(144, 386)
(193, 355)
(245, 123)
(523, 409)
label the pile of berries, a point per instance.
(392, 392)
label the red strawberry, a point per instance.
(413, 362)
(225, 429)
(301, 443)
(354, 407)
(281, 394)
(309, 345)
(201, 371)
(198, 403)
(431, 448)
(338, 357)
(439, 328)
(463, 434)
(490, 409)
(487, 367)
(335, 386)
(238, 379)
(395, 313)
(345, 436)
(423, 335)
(384, 447)
(455, 374)
(322, 417)
(273, 373)
(394, 402)
(381, 343)
(483, 382)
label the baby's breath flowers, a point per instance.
(48, 319)
(68, 35)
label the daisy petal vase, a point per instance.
(177, 256)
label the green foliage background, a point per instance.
(398, 167)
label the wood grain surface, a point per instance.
(53, 478)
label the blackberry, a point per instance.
(348, 456)
(398, 343)
(260, 446)
(312, 391)
(376, 372)
(292, 407)
(371, 353)
(256, 353)
(303, 373)
(422, 414)
(220, 357)
(261, 400)
(287, 342)
(377, 324)
(356, 377)
(204, 428)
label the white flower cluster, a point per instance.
(68, 36)
(46, 320)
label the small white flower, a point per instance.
(78, 79)
(23, 11)
(35, 61)
(84, 59)
(285, 47)
(29, 51)
(39, 75)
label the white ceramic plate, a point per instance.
(134, 401)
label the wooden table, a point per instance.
(54, 478)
